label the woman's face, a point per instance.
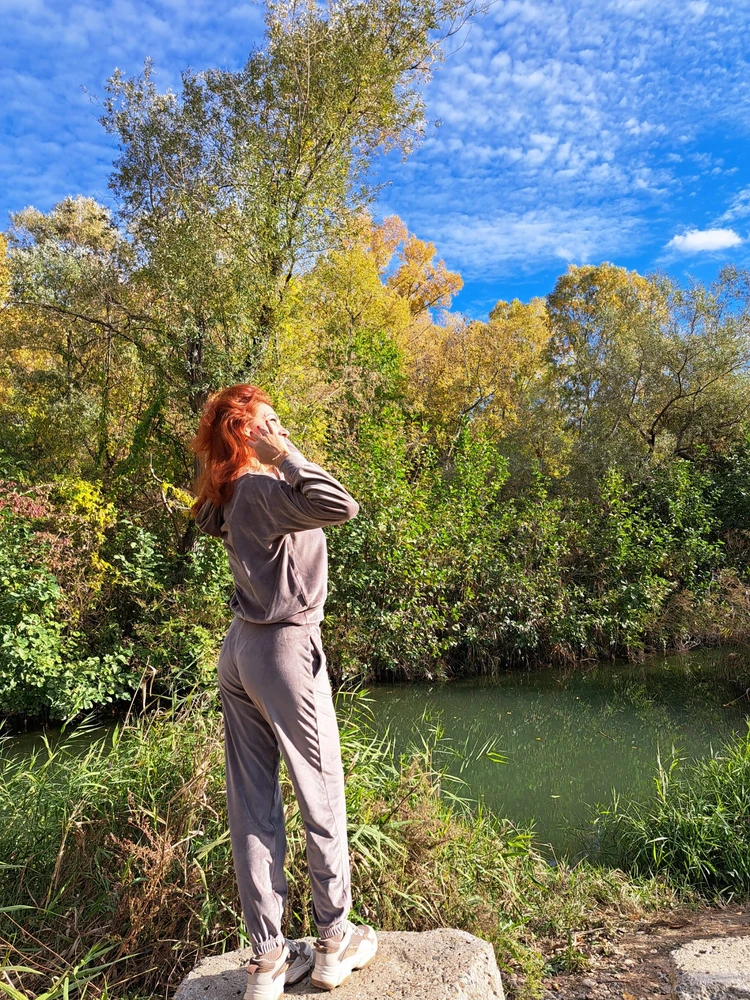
(267, 413)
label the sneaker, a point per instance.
(301, 960)
(337, 958)
(267, 975)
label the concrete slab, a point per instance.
(712, 969)
(443, 964)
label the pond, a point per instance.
(567, 737)
(570, 737)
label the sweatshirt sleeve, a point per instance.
(209, 519)
(308, 497)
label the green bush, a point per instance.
(47, 666)
(444, 571)
(396, 567)
(94, 605)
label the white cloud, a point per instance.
(739, 206)
(51, 143)
(505, 242)
(702, 240)
(574, 115)
(569, 124)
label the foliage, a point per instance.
(48, 662)
(92, 606)
(647, 369)
(466, 576)
(565, 479)
(486, 373)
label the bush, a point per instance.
(47, 664)
(444, 572)
(94, 605)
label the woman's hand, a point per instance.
(269, 442)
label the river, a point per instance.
(567, 738)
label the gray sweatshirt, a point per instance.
(272, 531)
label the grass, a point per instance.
(117, 875)
(695, 829)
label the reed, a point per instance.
(694, 829)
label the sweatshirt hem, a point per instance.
(308, 616)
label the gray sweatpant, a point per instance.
(276, 698)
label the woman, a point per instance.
(268, 504)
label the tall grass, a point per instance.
(695, 828)
(116, 871)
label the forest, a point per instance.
(566, 479)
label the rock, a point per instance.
(431, 965)
(712, 969)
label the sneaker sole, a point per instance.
(346, 976)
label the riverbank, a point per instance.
(556, 742)
(120, 862)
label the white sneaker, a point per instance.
(268, 975)
(337, 958)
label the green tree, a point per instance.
(247, 176)
(78, 369)
(647, 370)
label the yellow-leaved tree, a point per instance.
(337, 357)
(492, 373)
(648, 371)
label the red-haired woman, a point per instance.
(269, 504)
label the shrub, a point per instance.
(47, 664)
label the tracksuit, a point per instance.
(275, 692)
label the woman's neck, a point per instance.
(259, 469)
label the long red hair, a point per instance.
(221, 442)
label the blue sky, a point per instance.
(571, 130)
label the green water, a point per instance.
(74, 736)
(571, 737)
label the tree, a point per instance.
(425, 283)
(468, 371)
(339, 360)
(248, 176)
(4, 271)
(74, 358)
(227, 194)
(646, 369)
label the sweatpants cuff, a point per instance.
(270, 944)
(337, 930)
